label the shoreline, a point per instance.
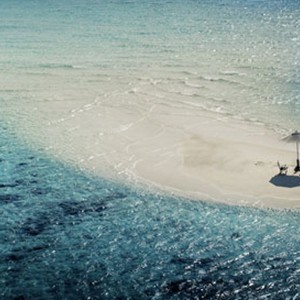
(199, 156)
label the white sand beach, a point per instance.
(180, 149)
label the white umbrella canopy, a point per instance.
(294, 138)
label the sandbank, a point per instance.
(193, 153)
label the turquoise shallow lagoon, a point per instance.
(234, 58)
(67, 235)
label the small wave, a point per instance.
(231, 73)
(217, 79)
(13, 90)
(217, 100)
(223, 81)
(185, 72)
(60, 66)
(193, 85)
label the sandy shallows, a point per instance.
(170, 145)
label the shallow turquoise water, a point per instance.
(67, 235)
(239, 58)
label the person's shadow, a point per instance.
(288, 181)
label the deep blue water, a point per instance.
(67, 235)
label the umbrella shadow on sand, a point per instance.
(288, 181)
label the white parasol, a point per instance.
(294, 138)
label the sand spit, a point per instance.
(188, 152)
(142, 136)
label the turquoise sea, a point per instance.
(68, 234)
